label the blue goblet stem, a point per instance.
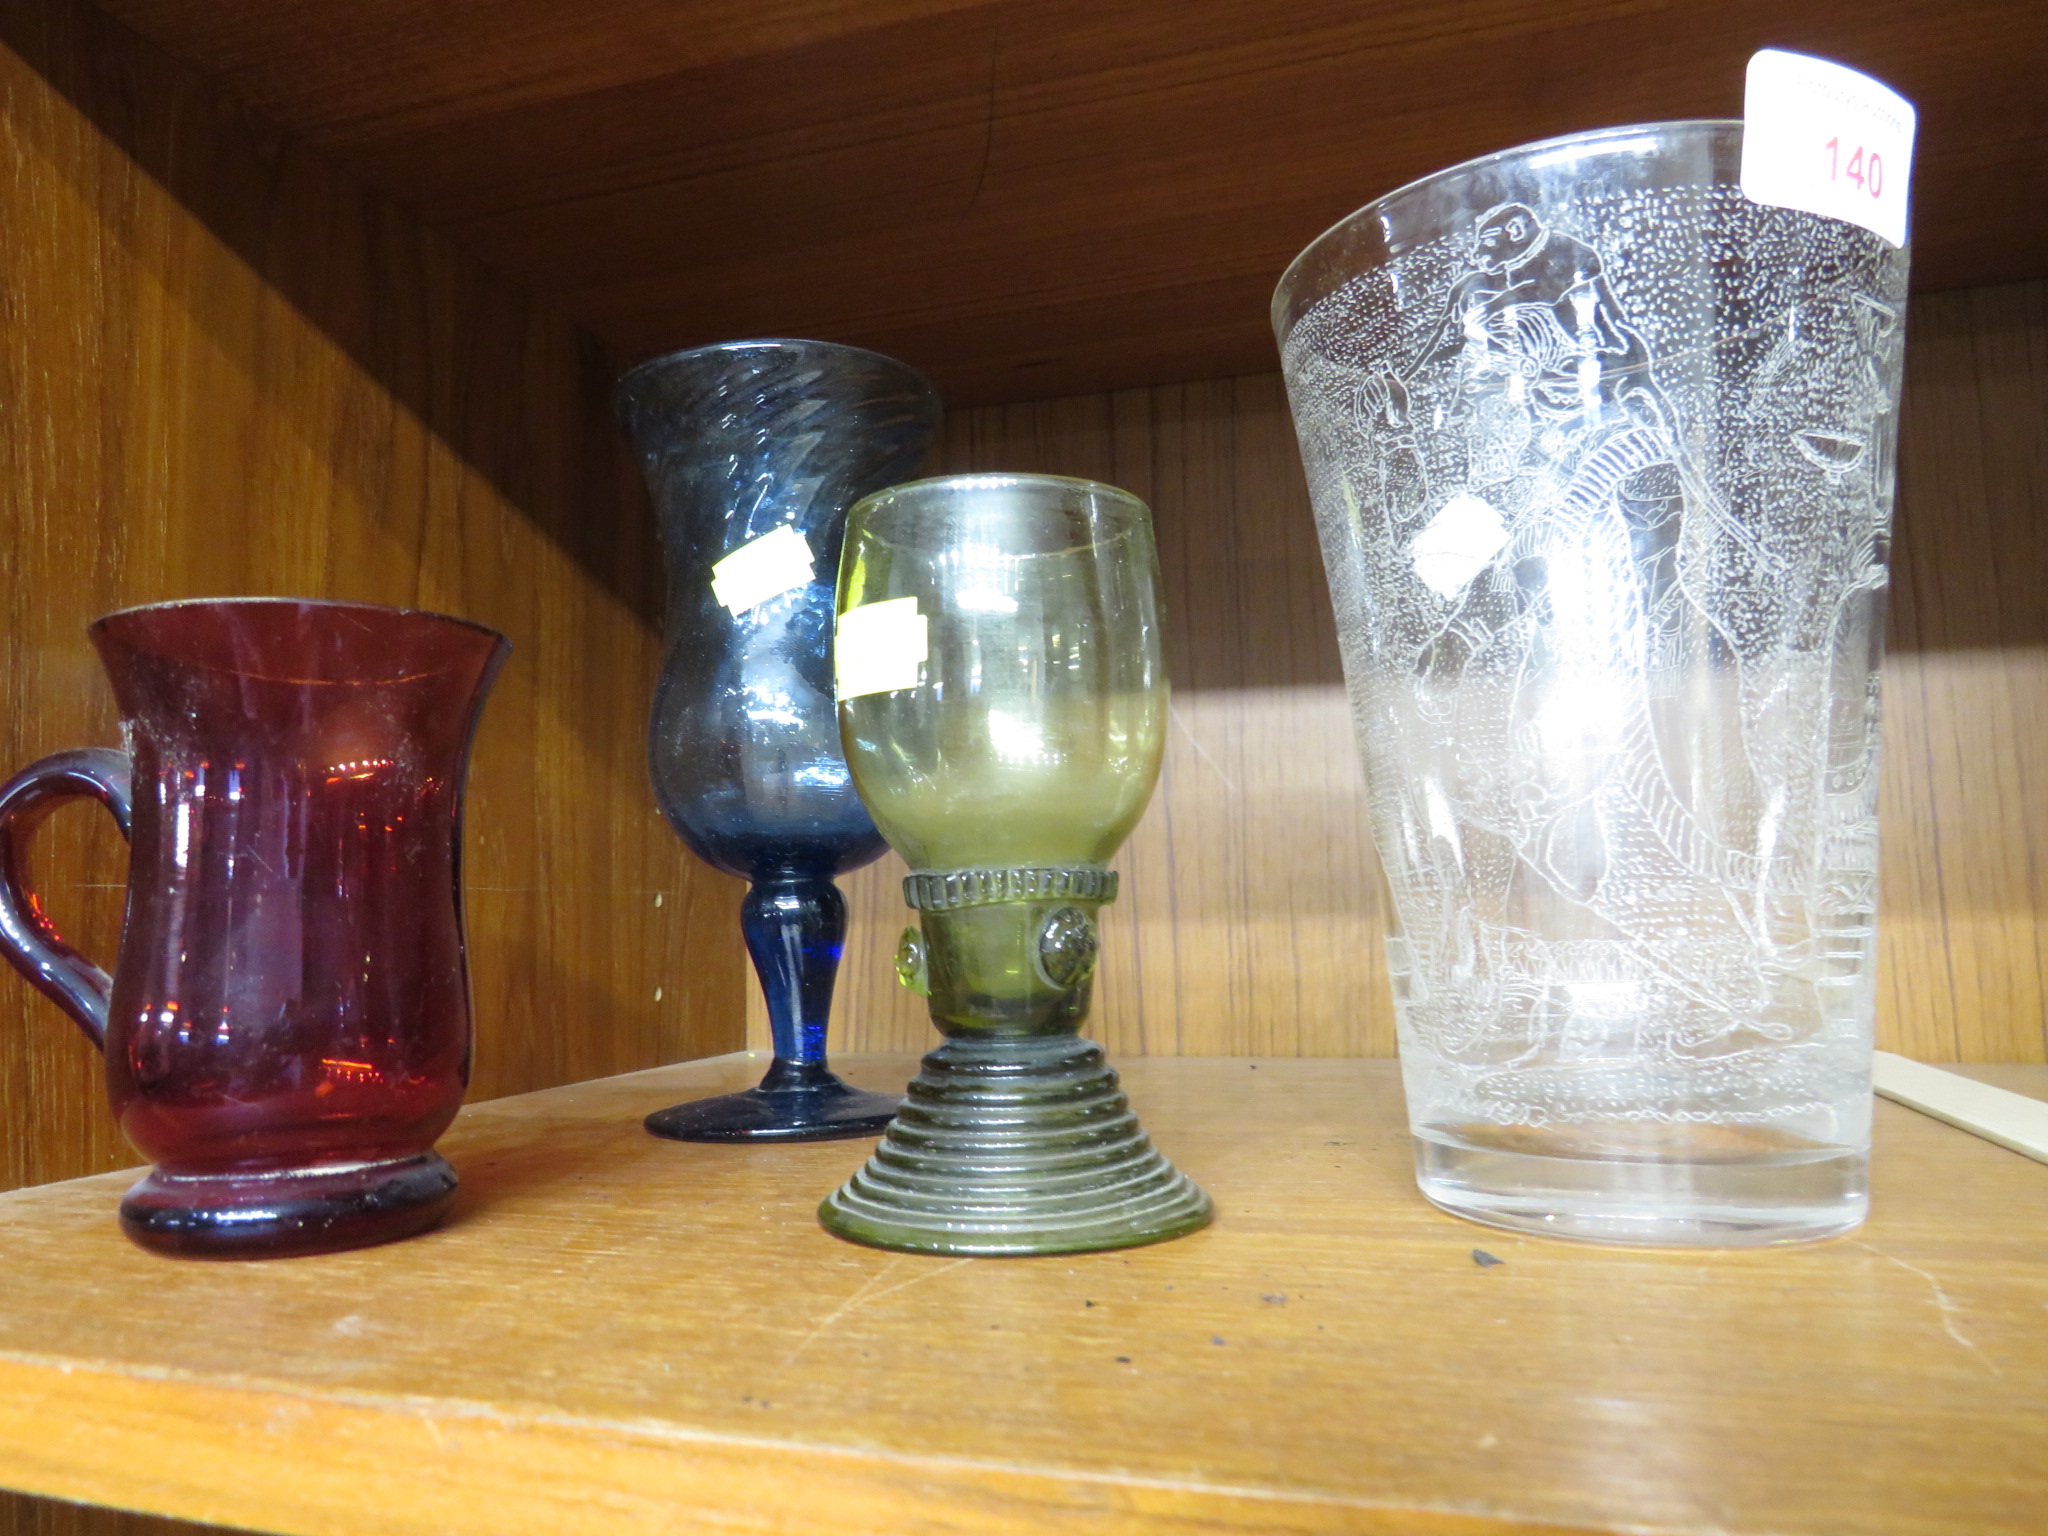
(795, 927)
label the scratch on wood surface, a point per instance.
(1943, 1305)
(871, 1290)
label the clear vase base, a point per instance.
(1792, 1195)
(1015, 1147)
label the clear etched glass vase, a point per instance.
(1601, 452)
(753, 452)
(1002, 698)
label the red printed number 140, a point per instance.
(1863, 168)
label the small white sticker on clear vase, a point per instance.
(775, 563)
(1820, 137)
(880, 647)
(1459, 543)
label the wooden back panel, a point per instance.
(1250, 920)
(1039, 197)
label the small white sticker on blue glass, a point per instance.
(769, 566)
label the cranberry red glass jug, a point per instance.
(287, 1028)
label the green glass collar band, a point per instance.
(946, 890)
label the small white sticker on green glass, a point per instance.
(769, 566)
(880, 647)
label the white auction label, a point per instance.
(762, 568)
(880, 647)
(1820, 137)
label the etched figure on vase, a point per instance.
(1562, 421)
(1572, 467)
(753, 452)
(1586, 433)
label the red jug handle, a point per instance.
(27, 940)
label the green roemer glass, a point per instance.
(1002, 703)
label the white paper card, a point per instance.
(2012, 1120)
(1820, 137)
(762, 568)
(880, 647)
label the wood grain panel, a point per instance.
(226, 369)
(1029, 198)
(1965, 919)
(1250, 915)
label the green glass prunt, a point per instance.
(1007, 777)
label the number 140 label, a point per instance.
(1864, 167)
(1823, 138)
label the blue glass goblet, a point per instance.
(754, 451)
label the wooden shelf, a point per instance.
(618, 1335)
(1031, 198)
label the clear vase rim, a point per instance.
(1586, 136)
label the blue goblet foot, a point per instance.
(796, 1101)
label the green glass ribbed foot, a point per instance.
(1015, 1147)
